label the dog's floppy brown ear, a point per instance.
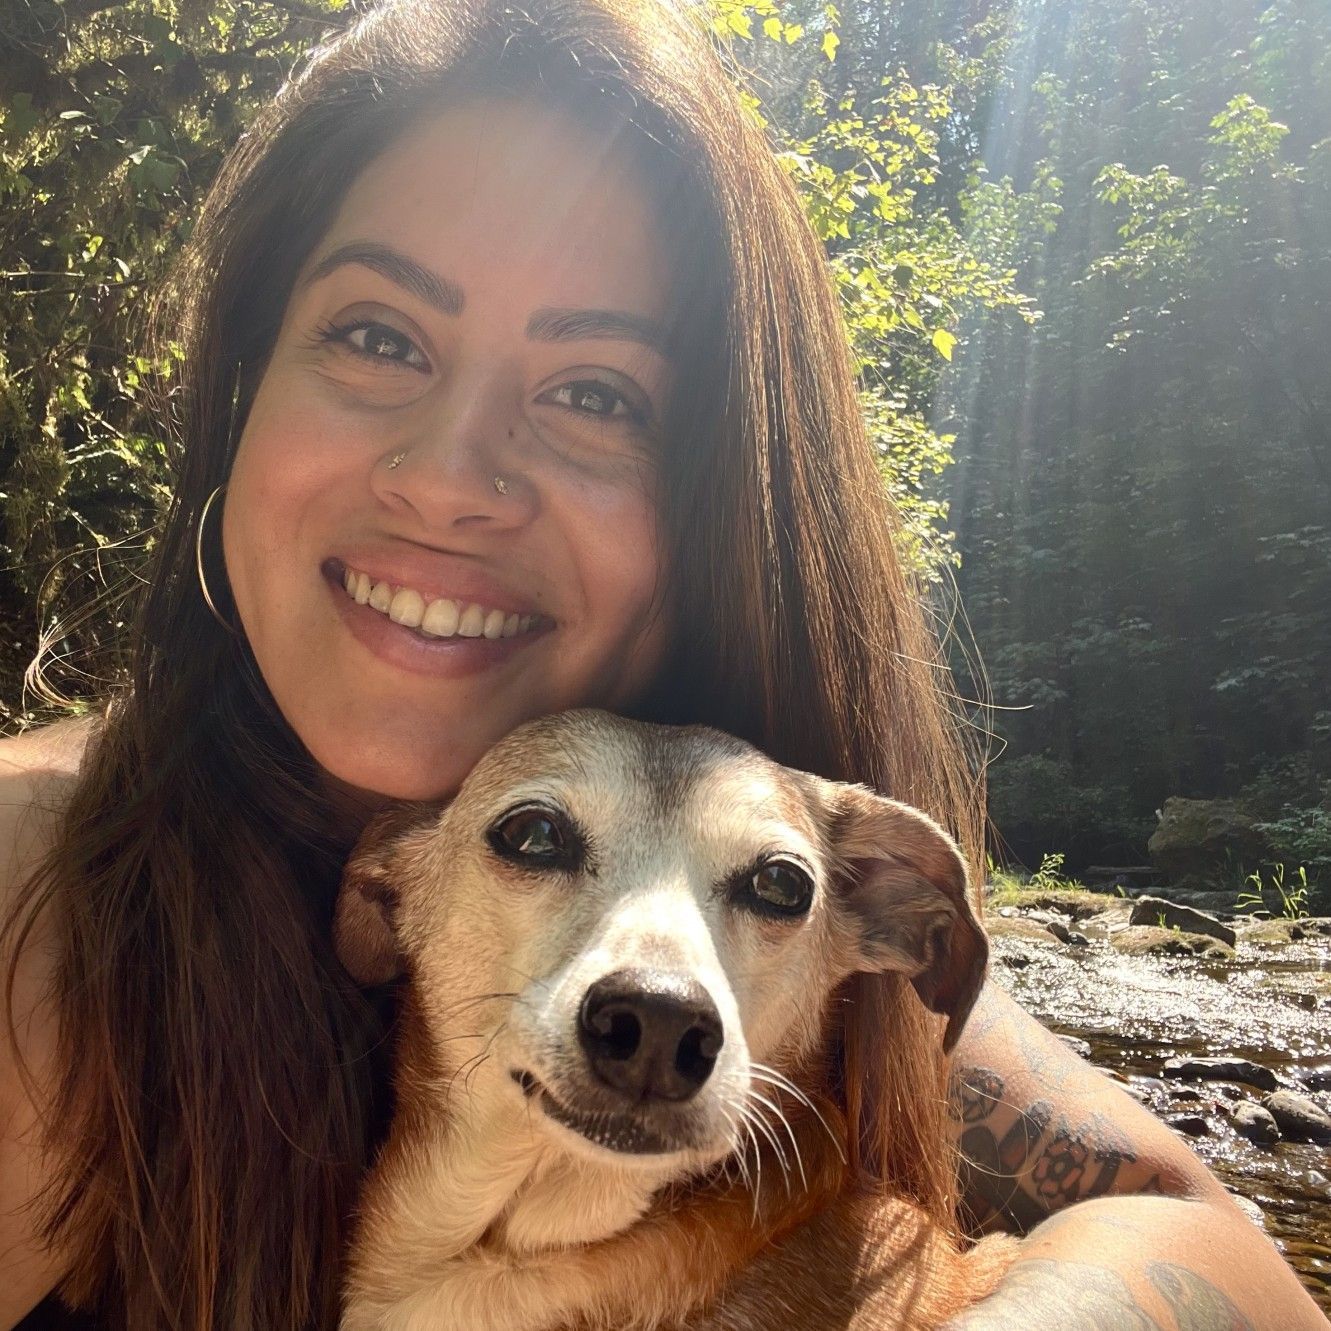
(364, 932)
(905, 884)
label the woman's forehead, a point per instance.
(514, 196)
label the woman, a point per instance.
(513, 311)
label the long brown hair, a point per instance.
(214, 1108)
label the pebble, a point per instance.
(1300, 1118)
(1255, 1123)
(1184, 1095)
(1191, 1125)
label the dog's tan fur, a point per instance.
(486, 1214)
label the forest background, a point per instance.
(1085, 253)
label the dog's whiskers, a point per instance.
(759, 1120)
(756, 1185)
(761, 1072)
(468, 1069)
(790, 1132)
(731, 1112)
(458, 1009)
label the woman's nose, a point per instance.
(460, 466)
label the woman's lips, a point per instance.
(468, 649)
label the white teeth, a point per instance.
(441, 619)
(407, 607)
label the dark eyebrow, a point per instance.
(445, 296)
(574, 325)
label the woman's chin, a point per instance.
(362, 788)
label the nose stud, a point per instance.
(500, 484)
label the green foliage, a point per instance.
(1293, 897)
(1036, 799)
(113, 118)
(866, 164)
(1142, 479)
(1049, 875)
(1008, 887)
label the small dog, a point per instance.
(620, 942)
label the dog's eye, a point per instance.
(536, 836)
(780, 887)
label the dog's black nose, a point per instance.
(650, 1035)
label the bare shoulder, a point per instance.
(38, 770)
(37, 764)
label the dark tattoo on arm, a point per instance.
(1078, 1297)
(1021, 1165)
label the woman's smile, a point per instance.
(433, 634)
(442, 516)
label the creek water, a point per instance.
(1133, 1013)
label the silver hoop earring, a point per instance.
(198, 562)
(501, 485)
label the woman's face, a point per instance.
(461, 418)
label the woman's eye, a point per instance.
(376, 342)
(592, 397)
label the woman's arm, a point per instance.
(1154, 1242)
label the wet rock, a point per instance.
(1221, 1069)
(1079, 1047)
(1255, 1123)
(1150, 1091)
(1199, 839)
(1278, 933)
(1190, 1125)
(1300, 1118)
(1016, 927)
(1170, 915)
(1064, 934)
(1184, 1095)
(1315, 1079)
(1139, 940)
(1078, 905)
(1218, 903)
(1015, 960)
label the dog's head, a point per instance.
(634, 927)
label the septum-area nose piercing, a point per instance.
(501, 485)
